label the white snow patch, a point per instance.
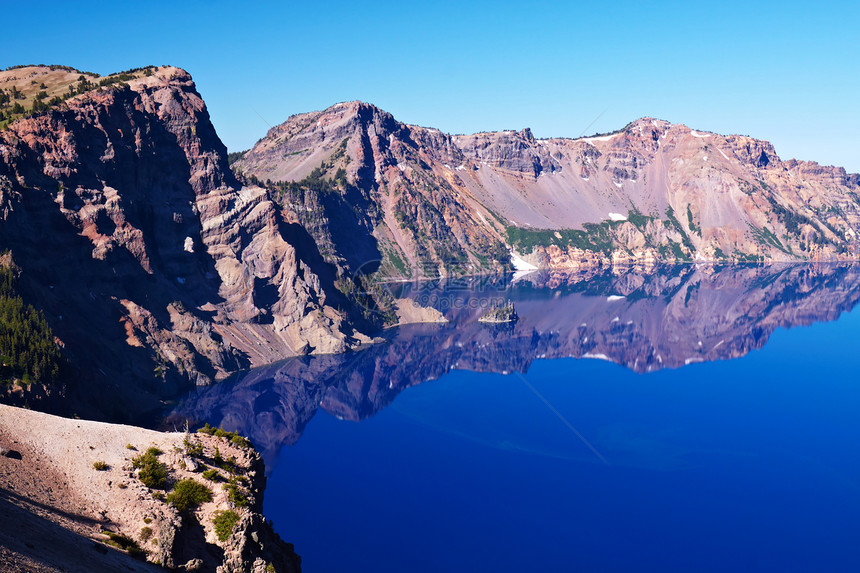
(614, 297)
(520, 264)
(695, 133)
(619, 185)
(597, 356)
(460, 167)
(584, 178)
(481, 217)
(616, 319)
(721, 153)
(691, 360)
(617, 217)
(705, 158)
(601, 138)
(188, 245)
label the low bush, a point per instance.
(212, 475)
(188, 494)
(225, 522)
(153, 473)
(193, 448)
(235, 494)
(124, 543)
(235, 438)
(100, 466)
(240, 441)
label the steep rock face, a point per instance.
(388, 185)
(156, 268)
(653, 191)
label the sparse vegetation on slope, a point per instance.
(29, 90)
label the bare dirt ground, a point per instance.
(54, 504)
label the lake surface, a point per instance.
(693, 419)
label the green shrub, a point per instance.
(225, 522)
(124, 543)
(212, 474)
(240, 441)
(235, 438)
(188, 494)
(153, 473)
(235, 494)
(193, 448)
(100, 466)
(147, 520)
(145, 533)
(130, 447)
(206, 429)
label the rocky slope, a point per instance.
(156, 269)
(438, 204)
(644, 321)
(64, 514)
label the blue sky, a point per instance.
(787, 72)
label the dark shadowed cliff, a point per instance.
(156, 269)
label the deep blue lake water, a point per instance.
(463, 448)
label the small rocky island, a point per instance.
(497, 314)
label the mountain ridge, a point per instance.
(651, 191)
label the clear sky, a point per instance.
(787, 72)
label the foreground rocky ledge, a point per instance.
(61, 513)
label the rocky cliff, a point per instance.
(652, 192)
(156, 269)
(75, 499)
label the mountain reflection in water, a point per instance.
(643, 321)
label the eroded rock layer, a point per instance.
(157, 270)
(651, 192)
